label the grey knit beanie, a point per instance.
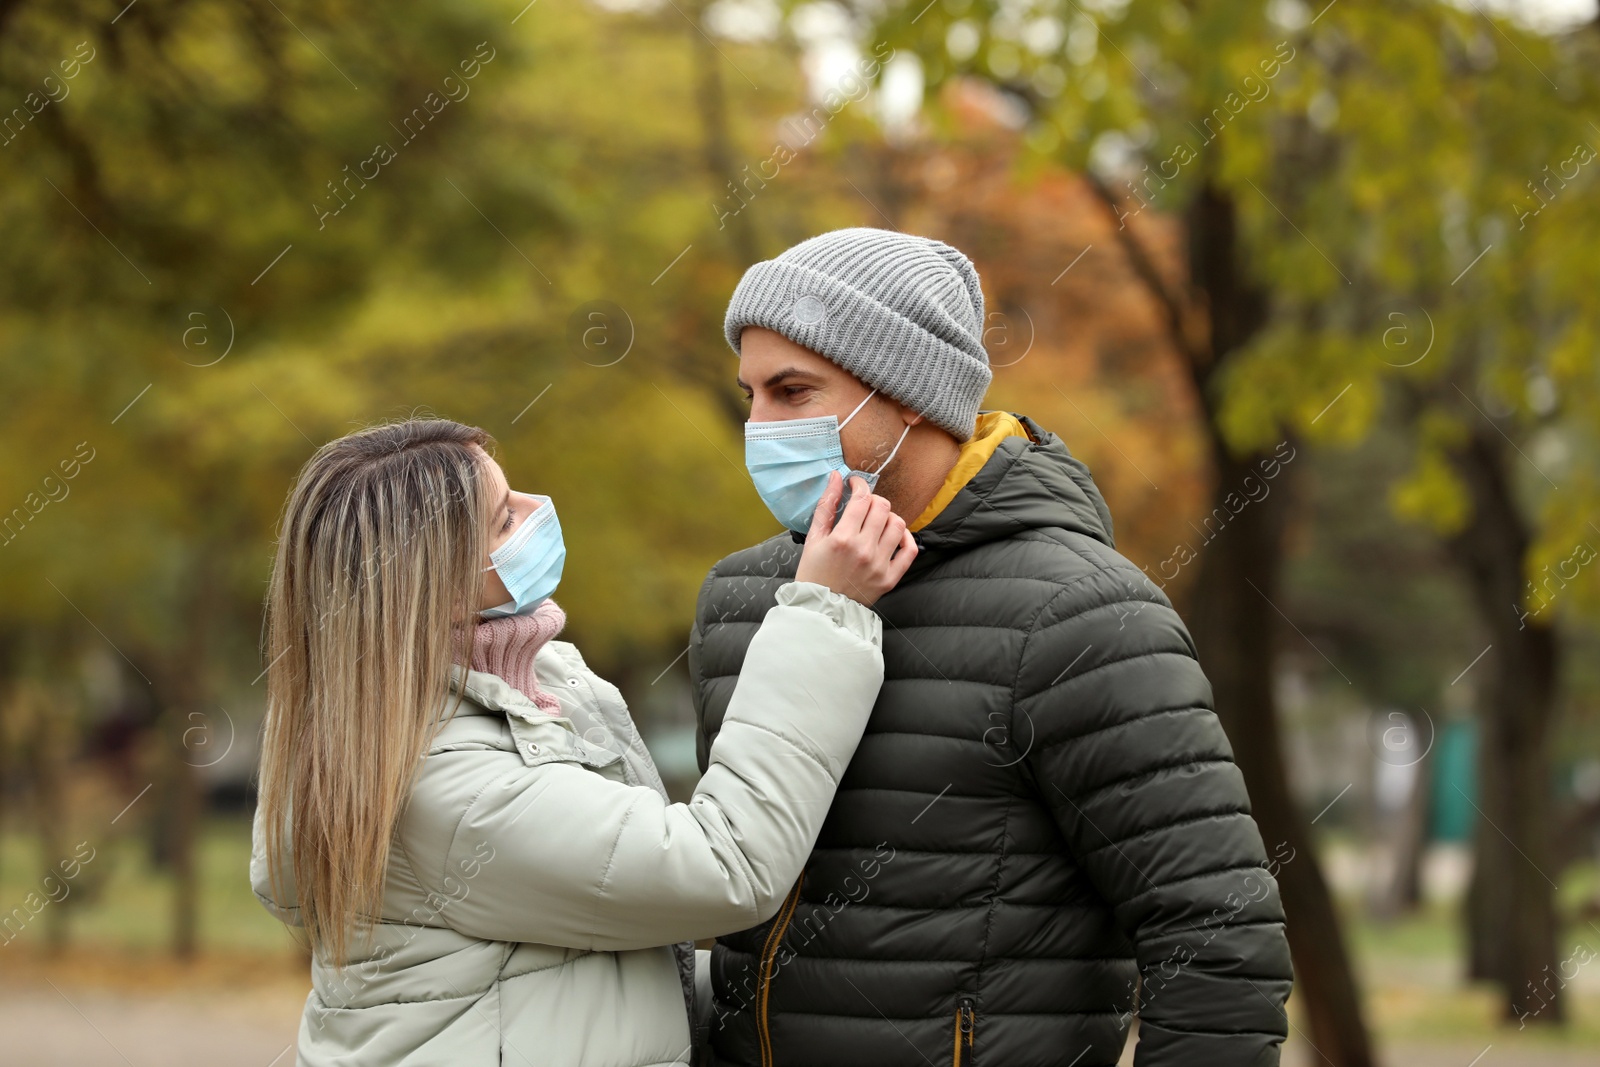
(904, 314)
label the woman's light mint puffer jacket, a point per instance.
(541, 885)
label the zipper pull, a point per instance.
(969, 1020)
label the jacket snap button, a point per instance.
(572, 682)
(533, 749)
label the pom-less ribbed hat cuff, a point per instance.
(876, 343)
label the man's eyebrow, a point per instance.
(791, 371)
(780, 376)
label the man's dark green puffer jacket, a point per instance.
(1044, 814)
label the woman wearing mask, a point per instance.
(461, 817)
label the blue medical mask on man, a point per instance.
(790, 460)
(529, 562)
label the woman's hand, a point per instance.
(866, 554)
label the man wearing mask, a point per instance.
(1043, 831)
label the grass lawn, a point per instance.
(120, 902)
(1411, 975)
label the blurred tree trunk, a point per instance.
(42, 722)
(1403, 835)
(1403, 893)
(8, 689)
(182, 798)
(51, 740)
(1511, 909)
(1236, 615)
(182, 689)
(728, 189)
(727, 182)
(1235, 608)
(1578, 838)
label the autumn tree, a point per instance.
(1353, 182)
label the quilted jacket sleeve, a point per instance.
(1132, 759)
(560, 855)
(261, 877)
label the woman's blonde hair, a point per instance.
(379, 563)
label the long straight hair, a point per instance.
(374, 585)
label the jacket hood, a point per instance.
(1027, 484)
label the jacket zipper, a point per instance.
(769, 952)
(966, 1022)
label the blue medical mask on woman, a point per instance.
(790, 460)
(529, 562)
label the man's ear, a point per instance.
(911, 415)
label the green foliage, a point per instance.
(246, 229)
(1414, 193)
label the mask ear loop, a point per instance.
(897, 444)
(859, 406)
(893, 450)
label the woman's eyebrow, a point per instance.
(505, 505)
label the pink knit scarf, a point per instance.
(506, 647)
